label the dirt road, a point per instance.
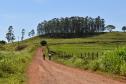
(47, 72)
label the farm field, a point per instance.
(88, 55)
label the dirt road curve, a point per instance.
(47, 72)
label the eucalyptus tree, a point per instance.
(86, 22)
(10, 34)
(102, 25)
(40, 29)
(71, 26)
(23, 33)
(97, 23)
(31, 33)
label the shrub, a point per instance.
(43, 43)
(3, 42)
(94, 65)
(121, 53)
(78, 62)
(123, 69)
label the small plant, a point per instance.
(94, 65)
(123, 69)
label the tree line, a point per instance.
(71, 26)
(65, 27)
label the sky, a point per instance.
(28, 13)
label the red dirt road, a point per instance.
(47, 72)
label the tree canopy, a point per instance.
(110, 27)
(31, 33)
(124, 28)
(71, 26)
(10, 34)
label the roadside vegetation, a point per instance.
(14, 60)
(104, 58)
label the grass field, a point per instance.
(114, 37)
(76, 52)
(14, 62)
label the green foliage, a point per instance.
(13, 63)
(110, 63)
(43, 43)
(110, 27)
(94, 65)
(78, 62)
(123, 69)
(2, 42)
(10, 34)
(10, 62)
(31, 33)
(124, 28)
(71, 27)
(114, 61)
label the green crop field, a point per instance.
(91, 53)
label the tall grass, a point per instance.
(13, 64)
(114, 62)
(12, 67)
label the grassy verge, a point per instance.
(13, 63)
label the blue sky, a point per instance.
(28, 13)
